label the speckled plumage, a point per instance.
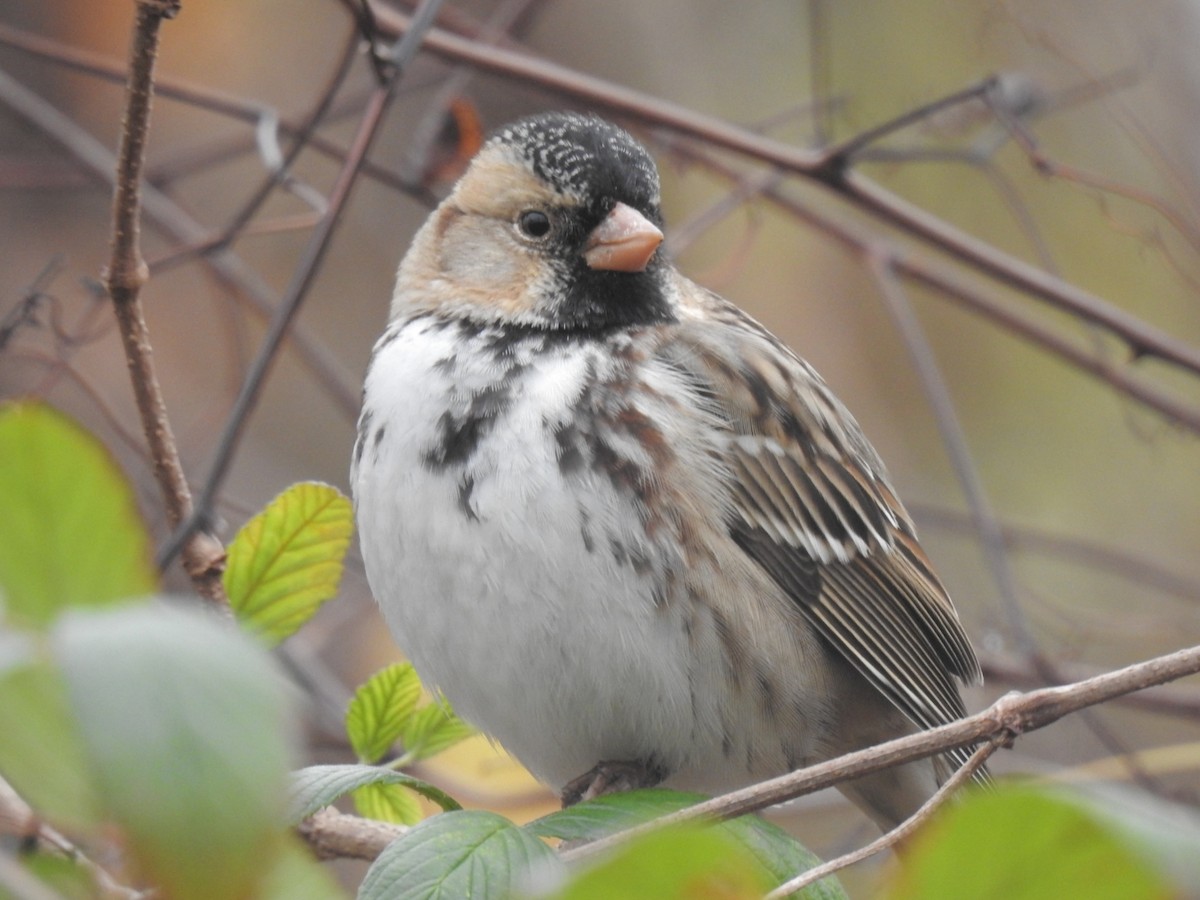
(613, 518)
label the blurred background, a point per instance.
(1094, 496)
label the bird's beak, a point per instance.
(623, 242)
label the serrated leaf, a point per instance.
(1039, 847)
(779, 854)
(380, 709)
(187, 728)
(679, 863)
(70, 534)
(314, 787)
(432, 729)
(387, 803)
(470, 853)
(287, 560)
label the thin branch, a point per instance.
(335, 835)
(924, 269)
(1010, 716)
(229, 269)
(842, 155)
(17, 819)
(898, 834)
(823, 167)
(302, 278)
(203, 556)
(1181, 700)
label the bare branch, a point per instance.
(305, 273)
(203, 556)
(1010, 716)
(898, 834)
(18, 820)
(824, 167)
(335, 835)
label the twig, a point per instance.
(230, 270)
(19, 820)
(25, 312)
(203, 556)
(822, 167)
(302, 278)
(335, 835)
(900, 833)
(842, 155)
(1173, 700)
(1010, 716)
(927, 271)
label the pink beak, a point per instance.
(623, 242)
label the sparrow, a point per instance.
(614, 520)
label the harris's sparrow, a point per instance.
(614, 519)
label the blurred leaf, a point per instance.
(186, 725)
(66, 879)
(682, 863)
(314, 787)
(69, 528)
(1165, 834)
(469, 853)
(42, 753)
(432, 729)
(387, 803)
(295, 875)
(287, 560)
(1039, 846)
(779, 854)
(380, 709)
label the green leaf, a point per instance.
(678, 863)
(1039, 846)
(387, 803)
(432, 729)
(380, 709)
(42, 752)
(287, 560)
(780, 856)
(314, 787)
(187, 727)
(70, 534)
(470, 853)
(1165, 834)
(295, 875)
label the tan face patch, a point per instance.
(479, 257)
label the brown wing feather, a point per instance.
(813, 506)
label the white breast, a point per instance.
(509, 589)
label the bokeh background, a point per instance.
(1098, 498)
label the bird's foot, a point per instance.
(612, 777)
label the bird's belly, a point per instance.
(532, 603)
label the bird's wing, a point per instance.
(812, 505)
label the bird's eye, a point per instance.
(534, 224)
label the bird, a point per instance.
(617, 523)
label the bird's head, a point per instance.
(556, 224)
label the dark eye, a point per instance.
(533, 223)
